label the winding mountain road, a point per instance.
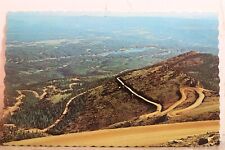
(196, 104)
(180, 101)
(158, 106)
(158, 112)
(36, 93)
(19, 100)
(170, 111)
(65, 110)
(15, 107)
(63, 114)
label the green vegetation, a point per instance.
(14, 135)
(34, 113)
(91, 111)
(59, 97)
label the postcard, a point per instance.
(111, 81)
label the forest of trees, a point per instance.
(35, 113)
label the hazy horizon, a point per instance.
(193, 32)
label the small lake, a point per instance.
(127, 51)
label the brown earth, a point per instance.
(207, 139)
(111, 103)
(152, 135)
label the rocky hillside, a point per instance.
(110, 105)
(208, 139)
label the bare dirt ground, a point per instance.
(153, 135)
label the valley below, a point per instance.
(112, 81)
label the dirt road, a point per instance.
(65, 111)
(36, 93)
(170, 111)
(196, 104)
(63, 114)
(158, 106)
(12, 109)
(134, 136)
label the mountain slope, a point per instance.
(180, 89)
(110, 105)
